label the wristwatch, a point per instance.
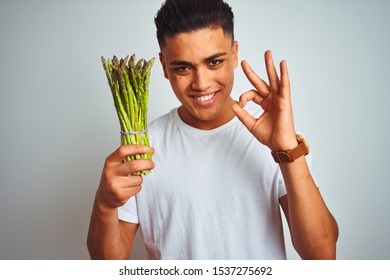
(290, 155)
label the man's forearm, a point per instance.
(313, 229)
(104, 236)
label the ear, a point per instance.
(163, 64)
(235, 53)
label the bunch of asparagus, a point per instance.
(129, 84)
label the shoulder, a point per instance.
(162, 121)
(162, 128)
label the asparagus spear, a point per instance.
(129, 84)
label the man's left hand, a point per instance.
(275, 127)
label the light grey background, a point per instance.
(58, 124)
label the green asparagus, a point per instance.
(129, 84)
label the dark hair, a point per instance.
(178, 16)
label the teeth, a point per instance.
(206, 97)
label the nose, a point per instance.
(201, 80)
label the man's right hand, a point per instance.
(116, 184)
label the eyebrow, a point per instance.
(207, 59)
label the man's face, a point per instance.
(200, 67)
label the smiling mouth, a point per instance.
(205, 97)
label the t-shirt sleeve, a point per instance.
(129, 212)
(281, 186)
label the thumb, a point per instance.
(244, 116)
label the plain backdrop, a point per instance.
(58, 122)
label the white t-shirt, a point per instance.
(214, 194)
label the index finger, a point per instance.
(254, 79)
(120, 154)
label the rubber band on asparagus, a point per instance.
(134, 132)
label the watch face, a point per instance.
(306, 147)
(300, 138)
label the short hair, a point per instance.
(179, 16)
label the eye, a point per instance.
(215, 62)
(181, 69)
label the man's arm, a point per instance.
(313, 229)
(108, 237)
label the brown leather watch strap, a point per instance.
(291, 155)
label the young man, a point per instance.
(215, 191)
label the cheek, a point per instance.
(180, 83)
(225, 76)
